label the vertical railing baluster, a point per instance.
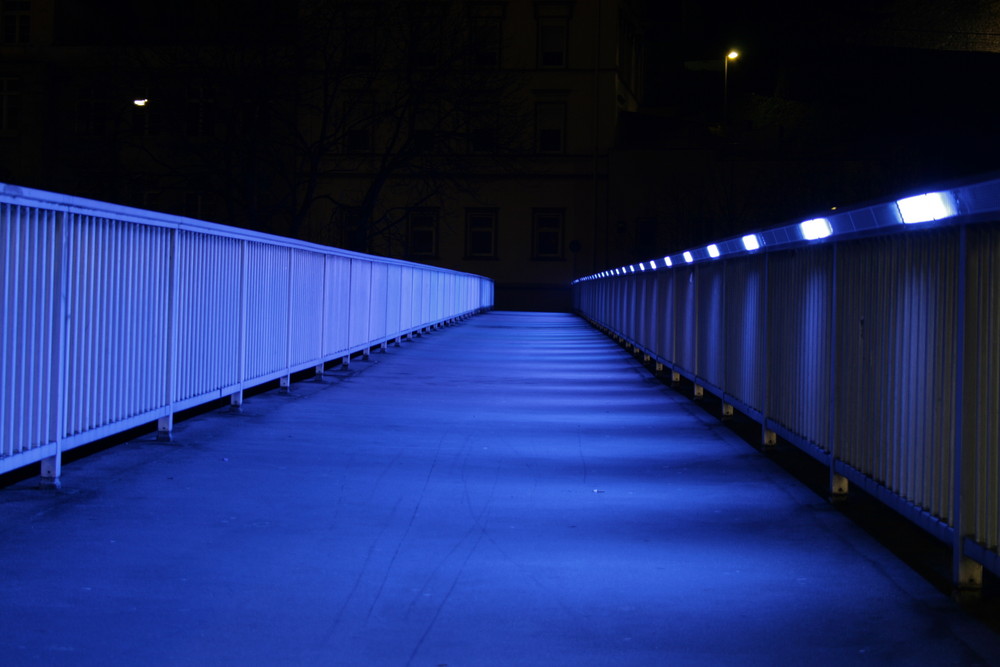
(165, 424)
(966, 573)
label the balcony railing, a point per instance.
(870, 338)
(114, 317)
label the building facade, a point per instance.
(472, 135)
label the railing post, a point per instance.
(165, 424)
(286, 380)
(6, 225)
(323, 313)
(966, 574)
(51, 467)
(839, 486)
(236, 398)
(768, 438)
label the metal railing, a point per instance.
(869, 338)
(114, 317)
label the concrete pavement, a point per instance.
(513, 490)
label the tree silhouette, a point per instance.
(333, 122)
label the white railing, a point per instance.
(869, 338)
(114, 317)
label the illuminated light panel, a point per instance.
(817, 228)
(632, 268)
(926, 207)
(642, 266)
(713, 251)
(668, 261)
(652, 263)
(687, 256)
(140, 102)
(751, 242)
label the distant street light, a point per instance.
(732, 55)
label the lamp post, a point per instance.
(732, 55)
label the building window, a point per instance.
(552, 34)
(547, 233)
(427, 127)
(10, 90)
(486, 40)
(92, 114)
(427, 37)
(630, 55)
(483, 125)
(359, 121)
(550, 127)
(422, 232)
(481, 233)
(198, 120)
(486, 34)
(359, 40)
(15, 21)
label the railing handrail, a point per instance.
(867, 338)
(113, 317)
(966, 202)
(24, 196)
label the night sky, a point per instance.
(903, 80)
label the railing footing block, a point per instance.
(969, 576)
(51, 470)
(840, 487)
(165, 429)
(50, 483)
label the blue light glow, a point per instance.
(926, 207)
(817, 228)
(668, 261)
(751, 242)
(713, 251)
(652, 263)
(642, 266)
(687, 256)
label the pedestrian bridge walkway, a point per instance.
(515, 489)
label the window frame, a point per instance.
(538, 217)
(10, 103)
(490, 214)
(556, 109)
(547, 27)
(432, 218)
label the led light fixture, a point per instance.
(751, 242)
(713, 251)
(926, 207)
(687, 256)
(817, 228)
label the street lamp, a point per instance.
(732, 55)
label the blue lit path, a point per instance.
(513, 490)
